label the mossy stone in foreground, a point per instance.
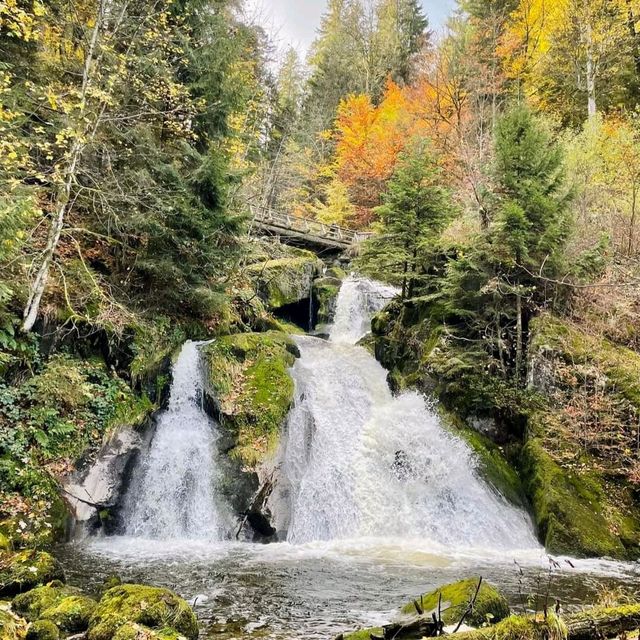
(43, 630)
(20, 572)
(11, 626)
(152, 607)
(520, 628)
(72, 614)
(489, 605)
(32, 604)
(134, 631)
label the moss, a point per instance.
(490, 603)
(149, 606)
(284, 281)
(364, 634)
(72, 614)
(336, 272)
(251, 388)
(22, 571)
(133, 631)
(43, 630)
(5, 542)
(520, 628)
(325, 295)
(11, 626)
(568, 506)
(32, 604)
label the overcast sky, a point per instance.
(295, 21)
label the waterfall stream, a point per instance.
(173, 494)
(359, 462)
(378, 501)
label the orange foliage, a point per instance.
(370, 138)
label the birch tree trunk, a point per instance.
(37, 287)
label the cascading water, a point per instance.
(173, 493)
(359, 462)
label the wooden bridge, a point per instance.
(305, 230)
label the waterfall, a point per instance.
(359, 462)
(173, 492)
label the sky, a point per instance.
(294, 22)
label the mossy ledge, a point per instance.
(250, 387)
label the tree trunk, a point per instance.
(635, 37)
(37, 287)
(519, 341)
(592, 107)
(632, 221)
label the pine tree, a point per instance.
(416, 208)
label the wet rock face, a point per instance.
(96, 489)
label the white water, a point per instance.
(173, 494)
(359, 462)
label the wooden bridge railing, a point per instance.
(316, 231)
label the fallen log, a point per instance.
(597, 622)
(422, 627)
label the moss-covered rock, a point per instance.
(490, 604)
(72, 614)
(155, 608)
(325, 296)
(11, 626)
(5, 542)
(32, 604)
(134, 631)
(250, 386)
(568, 506)
(25, 570)
(578, 465)
(43, 630)
(285, 281)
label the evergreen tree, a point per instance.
(416, 208)
(492, 292)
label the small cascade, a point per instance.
(173, 492)
(359, 462)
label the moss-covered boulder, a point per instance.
(32, 604)
(134, 631)
(490, 604)
(25, 570)
(5, 542)
(251, 389)
(325, 296)
(43, 630)
(285, 281)
(152, 607)
(11, 626)
(72, 614)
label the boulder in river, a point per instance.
(43, 630)
(152, 607)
